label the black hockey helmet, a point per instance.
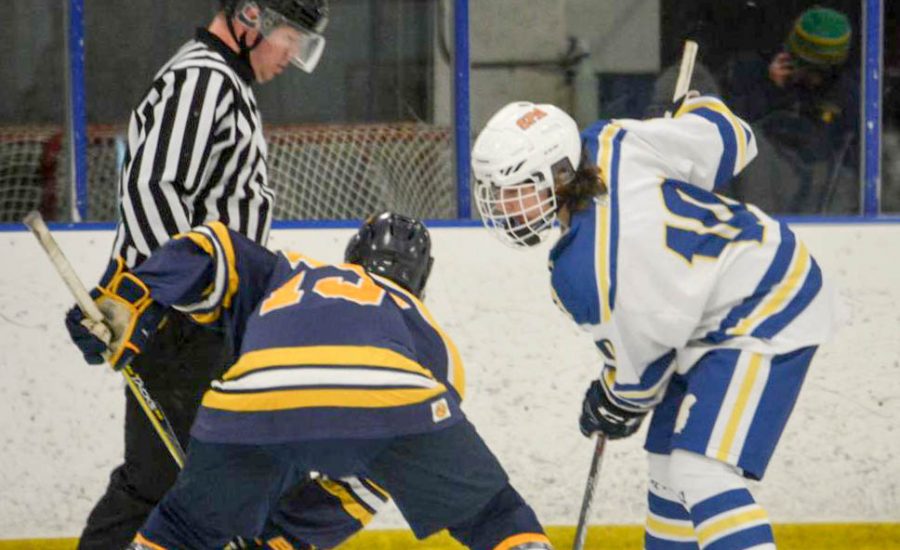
(394, 246)
(307, 18)
(309, 14)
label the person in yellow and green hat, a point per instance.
(814, 56)
(803, 103)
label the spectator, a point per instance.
(803, 104)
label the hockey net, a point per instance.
(317, 172)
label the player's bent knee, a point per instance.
(699, 477)
(506, 522)
(658, 468)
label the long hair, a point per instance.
(586, 183)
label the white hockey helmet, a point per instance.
(523, 152)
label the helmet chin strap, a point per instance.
(244, 49)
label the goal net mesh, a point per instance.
(316, 172)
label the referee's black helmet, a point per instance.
(309, 14)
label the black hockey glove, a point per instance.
(600, 414)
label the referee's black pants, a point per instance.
(176, 368)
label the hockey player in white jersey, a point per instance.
(704, 310)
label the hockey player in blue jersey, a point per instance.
(342, 371)
(704, 310)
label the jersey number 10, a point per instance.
(704, 223)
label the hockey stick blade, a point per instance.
(35, 222)
(587, 502)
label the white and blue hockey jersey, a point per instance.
(661, 269)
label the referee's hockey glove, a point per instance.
(600, 414)
(131, 320)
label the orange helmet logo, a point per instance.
(528, 119)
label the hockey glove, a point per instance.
(600, 414)
(131, 319)
(676, 106)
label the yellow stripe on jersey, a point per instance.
(204, 242)
(279, 543)
(795, 277)
(648, 392)
(348, 502)
(401, 303)
(671, 529)
(740, 404)
(521, 538)
(200, 240)
(143, 541)
(602, 230)
(295, 259)
(738, 128)
(456, 373)
(225, 240)
(376, 488)
(609, 376)
(279, 400)
(710, 530)
(601, 267)
(368, 356)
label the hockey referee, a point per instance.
(196, 153)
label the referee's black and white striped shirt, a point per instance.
(196, 153)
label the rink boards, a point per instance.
(838, 464)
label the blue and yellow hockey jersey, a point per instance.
(325, 351)
(662, 269)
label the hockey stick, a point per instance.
(588, 501)
(688, 57)
(157, 417)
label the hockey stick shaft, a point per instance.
(154, 413)
(686, 70)
(587, 502)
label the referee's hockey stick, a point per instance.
(157, 417)
(588, 501)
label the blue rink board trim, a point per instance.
(305, 224)
(353, 224)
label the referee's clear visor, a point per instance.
(305, 46)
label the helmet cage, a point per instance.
(521, 214)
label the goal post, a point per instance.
(462, 106)
(76, 113)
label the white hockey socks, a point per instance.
(695, 495)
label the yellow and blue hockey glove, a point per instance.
(131, 320)
(600, 414)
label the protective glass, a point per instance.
(521, 214)
(305, 46)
